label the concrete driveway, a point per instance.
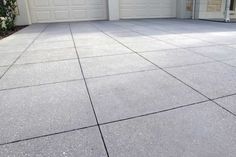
(133, 88)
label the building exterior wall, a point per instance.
(184, 10)
(212, 9)
(113, 9)
(23, 18)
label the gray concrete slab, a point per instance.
(216, 52)
(83, 27)
(18, 41)
(7, 59)
(176, 57)
(101, 50)
(233, 46)
(139, 39)
(110, 65)
(151, 32)
(199, 35)
(41, 73)
(21, 40)
(128, 34)
(201, 130)
(57, 28)
(34, 28)
(228, 103)
(130, 37)
(54, 37)
(2, 70)
(17, 48)
(212, 79)
(86, 143)
(230, 62)
(124, 96)
(89, 35)
(36, 111)
(51, 45)
(30, 32)
(211, 37)
(184, 42)
(40, 95)
(107, 26)
(105, 40)
(149, 46)
(47, 55)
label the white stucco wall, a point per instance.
(114, 9)
(181, 9)
(204, 14)
(24, 16)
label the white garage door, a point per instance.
(67, 10)
(147, 8)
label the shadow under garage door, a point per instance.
(67, 10)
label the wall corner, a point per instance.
(24, 15)
(113, 10)
(184, 9)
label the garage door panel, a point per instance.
(147, 8)
(67, 10)
(79, 14)
(61, 15)
(97, 14)
(43, 15)
(60, 3)
(40, 3)
(96, 2)
(132, 2)
(78, 2)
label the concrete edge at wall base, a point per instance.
(233, 20)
